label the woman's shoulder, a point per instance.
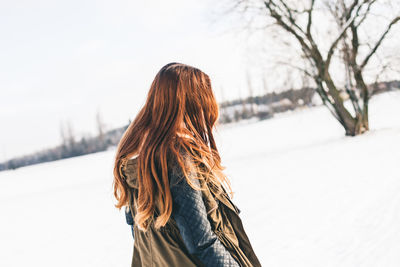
(176, 170)
(129, 171)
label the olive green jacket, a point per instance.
(165, 246)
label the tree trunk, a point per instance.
(352, 126)
(362, 125)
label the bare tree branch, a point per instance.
(297, 68)
(364, 63)
(309, 21)
(348, 23)
(290, 16)
(268, 4)
(365, 13)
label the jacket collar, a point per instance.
(128, 169)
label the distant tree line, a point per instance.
(265, 106)
(261, 107)
(70, 146)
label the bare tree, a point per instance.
(63, 134)
(100, 128)
(71, 139)
(68, 139)
(265, 84)
(297, 19)
(250, 89)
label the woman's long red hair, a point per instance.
(180, 100)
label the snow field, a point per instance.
(309, 196)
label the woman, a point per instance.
(168, 175)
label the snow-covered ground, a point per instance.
(309, 197)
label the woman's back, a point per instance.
(204, 229)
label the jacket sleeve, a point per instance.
(190, 214)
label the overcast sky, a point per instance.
(64, 60)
